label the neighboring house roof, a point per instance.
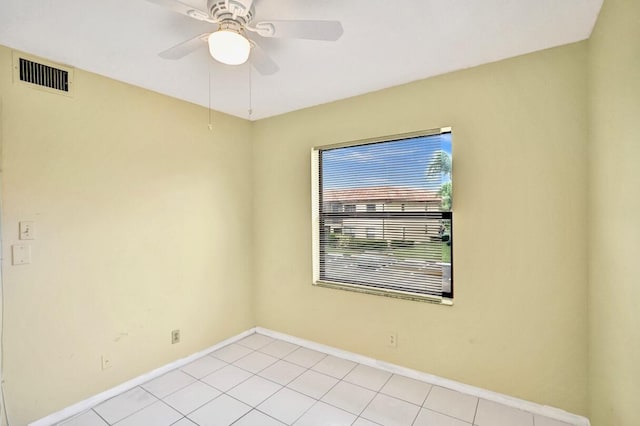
(380, 193)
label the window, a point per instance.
(401, 243)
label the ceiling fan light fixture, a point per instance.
(229, 47)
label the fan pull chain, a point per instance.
(250, 95)
(210, 115)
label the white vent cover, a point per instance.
(42, 74)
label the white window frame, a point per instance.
(315, 221)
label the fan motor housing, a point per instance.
(240, 11)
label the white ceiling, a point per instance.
(385, 43)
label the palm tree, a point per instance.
(440, 166)
(445, 195)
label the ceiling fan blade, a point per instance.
(181, 50)
(261, 61)
(184, 9)
(310, 30)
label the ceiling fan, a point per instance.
(229, 42)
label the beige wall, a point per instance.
(143, 222)
(614, 222)
(519, 324)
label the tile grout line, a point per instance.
(422, 405)
(181, 418)
(399, 399)
(327, 391)
(416, 416)
(317, 400)
(346, 411)
(278, 383)
(249, 412)
(97, 414)
(174, 391)
(374, 397)
(159, 400)
(427, 397)
(448, 416)
(200, 406)
(402, 399)
(242, 402)
(475, 413)
(134, 412)
(340, 380)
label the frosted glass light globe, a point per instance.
(229, 47)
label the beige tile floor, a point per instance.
(261, 381)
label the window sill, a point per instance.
(387, 293)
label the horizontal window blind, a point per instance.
(385, 218)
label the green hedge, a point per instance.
(367, 243)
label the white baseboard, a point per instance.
(542, 410)
(86, 404)
(532, 407)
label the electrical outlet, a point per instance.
(392, 339)
(106, 362)
(175, 336)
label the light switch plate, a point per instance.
(20, 254)
(27, 230)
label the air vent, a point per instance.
(42, 74)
